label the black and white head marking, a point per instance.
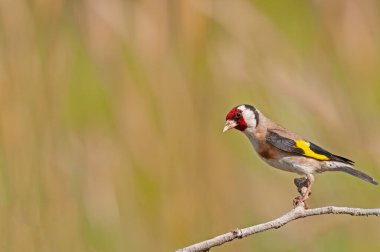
(250, 114)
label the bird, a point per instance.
(286, 150)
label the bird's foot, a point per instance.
(299, 200)
(304, 189)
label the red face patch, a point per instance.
(232, 113)
(236, 115)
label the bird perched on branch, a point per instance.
(286, 150)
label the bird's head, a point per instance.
(241, 118)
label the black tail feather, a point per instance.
(356, 173)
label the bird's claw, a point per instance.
(299, 200)
(303, 188)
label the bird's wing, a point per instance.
(302, 147)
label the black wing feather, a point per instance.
(283, 143)
(289, 145)
(331, 156)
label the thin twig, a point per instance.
(294, 214)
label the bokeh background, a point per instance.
(111, 117)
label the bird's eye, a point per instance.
(238, 115)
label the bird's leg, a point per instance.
(302, 186)
(304, 189)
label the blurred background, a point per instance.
(111, 117)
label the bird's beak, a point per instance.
(229, 125)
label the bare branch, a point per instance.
(294, 214)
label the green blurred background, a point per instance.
(111, 117)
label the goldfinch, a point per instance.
(286, 150)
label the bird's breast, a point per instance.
(265, 150)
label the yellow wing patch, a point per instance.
(305, 146)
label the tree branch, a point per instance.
(296, 213)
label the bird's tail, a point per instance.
(347, 169)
